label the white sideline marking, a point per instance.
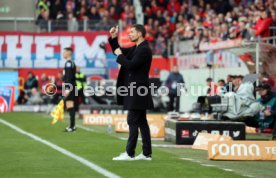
(208, 165)
(229, 170)
(77, 125)
(187, 159)
(85, 128)
(192, 160)
(154, 139)
(170, 146)
(85, 162)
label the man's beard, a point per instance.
(134, 40)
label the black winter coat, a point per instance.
(135, 66)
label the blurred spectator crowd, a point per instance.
(70, 14)
(38, 92)
(166, 20)
(207, 20)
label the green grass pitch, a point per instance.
(21, 156)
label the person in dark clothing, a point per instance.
(229, 86)
(22, 98)
(30, 84)
(94, 14)
(118, 8)
(221, 87)
(70, 83)
(266, 118)
(224, 31)
(160, 18)
(172, 82)
(55, 7)
(222, 6)
(135, 66)
(58, 83)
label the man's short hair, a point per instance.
(264, 86)
(69, 49)
(140, 28)
(209, 79)
(240, 77)
(221, 80)
(30, 73)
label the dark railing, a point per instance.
(187, 47)
(33, 25)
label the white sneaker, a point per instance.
(143, 157)
(68, 129)
(123, 157)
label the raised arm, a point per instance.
(113, 41)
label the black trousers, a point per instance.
(136, 120)
(56, 98)
(72, 111)
(174, 98)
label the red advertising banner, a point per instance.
(23, 74)
(160, 63)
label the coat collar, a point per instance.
(144, 43)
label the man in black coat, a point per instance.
(133, 89)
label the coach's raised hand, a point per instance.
(114, 31)
(118, 51)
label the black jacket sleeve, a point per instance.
(140, 58)
(114, 45)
